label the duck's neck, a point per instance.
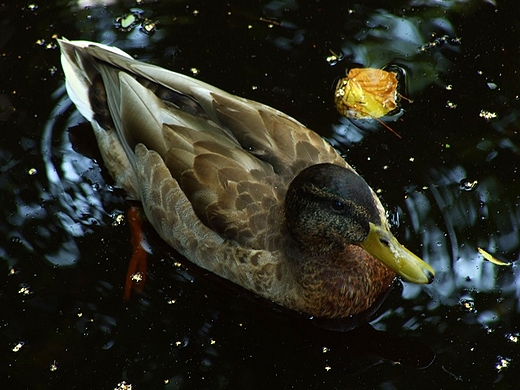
(339, 283)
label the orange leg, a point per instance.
(136, 274)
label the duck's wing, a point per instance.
(233, 158)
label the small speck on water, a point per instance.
(18, 346)
(467, 304)
(468, 185)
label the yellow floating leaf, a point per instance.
(127, 20)
(366, 92)
(490, 258)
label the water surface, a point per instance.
(449, 185)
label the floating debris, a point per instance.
(18, 346)
(123, 386)
(51, 45)
(118, 218)
(487, 115)
(492, 259)
(451, 105)
(439, 42)
(54, 366)
(367, 93)
(334, 58)
(137, 277)
(468, 185)
(467, 304)
(270, 22)
(503, 363)
(129, 21)
(24, 289)
(149, 26)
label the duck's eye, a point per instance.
(337, 206)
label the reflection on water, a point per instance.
(415, 48)
(414, 43)
(466, 220)
(65, 202)
(450, 186)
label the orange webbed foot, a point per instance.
(136, 274)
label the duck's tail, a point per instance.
(80, 72)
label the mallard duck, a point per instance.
(237, 187)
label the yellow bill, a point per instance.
(382, 244)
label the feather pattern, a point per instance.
(213, 172)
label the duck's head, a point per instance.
(328, 207)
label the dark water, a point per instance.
(449, 185)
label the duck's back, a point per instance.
(233, 158)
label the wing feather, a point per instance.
(233, 158)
